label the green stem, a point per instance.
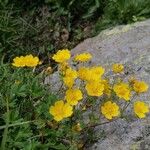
(126, 106)
(15, 124)
(6, 128)
(99, 124)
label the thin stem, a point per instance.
(15, 124)
(99, 124)
(126, 106)
(33, 70)
(60, 88)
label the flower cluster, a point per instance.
(89, 95)
(91, 80)
(26, 61)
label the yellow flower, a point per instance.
(90, 74)
(140, 86)
(82, 73)
(122, 91)
(60, 110)
(19, 61)
(117, 68)
(95, 73)
(73, 96)
(31, 61)
(68, 81)
(77, 127)
(107, 87)
(92, 77)
(48, 70)
(94, 88)
(140, 109)
(27, 60)
(98, 70)
(62, 56)
(63, 66)
(83, 57)
(71, 73)
(70, 76)
(110, 110)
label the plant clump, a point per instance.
(87, 98)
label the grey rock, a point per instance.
(54, 82)
(129, 45)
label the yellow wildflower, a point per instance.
(90, 74)
(77, 127)
(68, 81)
(71, 73)
(140, 109)
(110, 110)
(27, 60)
(140, 86)
(117, 68)
(95, 73)
(48, 70)
(122, 91)
(98, 70)
(94, 88)
(107, 88)
(63, 66)
(60, 110)
(31, 61)
(83, 57)
(83, 73)
(73, 96)
(62, 56)
(19, 61)
(92, 77)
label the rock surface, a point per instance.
(129, 45)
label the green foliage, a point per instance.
(73, 7)
(25, 121)
(8, 33)
(38, 27)
(19, 31)
(42, 27)
(24, 113)
(123, 12)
